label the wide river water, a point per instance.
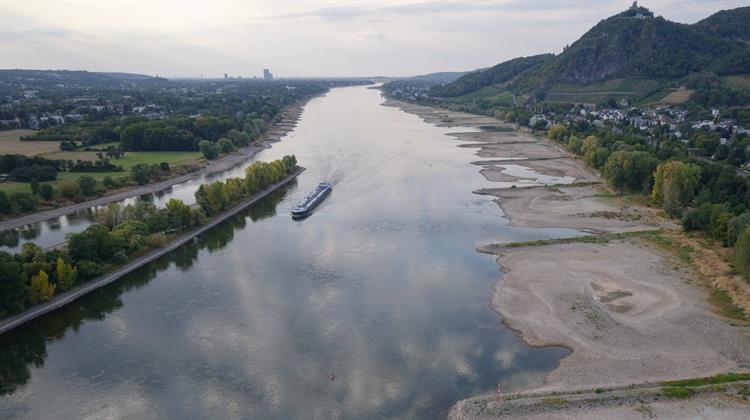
(382, 287)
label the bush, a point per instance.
(141, 173)
(120, 258)
(70, 190)
(630, 170)
(5, 204)
(108, 182)
(736, 226)
(209, 149)
(23, 202)
(88, 269)
(164, 166)
(28, 173)
(87, 184)
(226, 145)
(46, 192)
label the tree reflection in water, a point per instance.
(27, 345)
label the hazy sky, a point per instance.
(302, 38)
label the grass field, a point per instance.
(495, 95)
(10, 143)
(603, 91)
(131, 159)
(738, 82)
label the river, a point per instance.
(381, 287)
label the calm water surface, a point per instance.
(381, 286)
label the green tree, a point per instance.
(630, 170)
(736, 226)
(179, 215)
(5, 204)
(226, 145)
(209, 149)
(66, 274)
(674, 185)
(742, 254)
(40, 289)
(70, 190)
(34, 186)
(13, 287)
(96, 243)
(88, 185)
(141, 173)
(556, 132)
(47, 192)
(23, 202)
(290, 162)
(108, 182)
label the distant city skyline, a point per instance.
(302, 39)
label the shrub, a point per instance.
(226, 145)
(70, 190)
(46, 192)
(23, 202)
(38, 172)
(108, 182)
(120, 258)
(209, 149)
(87, 184)
(141, 173)
(88, 269)
(5, 204)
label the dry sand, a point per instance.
(629, 312)
(587, 208)
(549, 168)
(622, 308)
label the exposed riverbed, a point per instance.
(381, 286)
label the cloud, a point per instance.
(314, 38)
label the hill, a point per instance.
(631, 50)
(732, 25)
(74, 77)
(437, 78)
(501, 73)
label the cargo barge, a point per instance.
(305, 207)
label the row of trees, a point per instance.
(707, 197)
(76, 190)
(221, 195)
(35, 275)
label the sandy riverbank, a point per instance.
(288, 122)
(629, 312)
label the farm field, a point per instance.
(494, 95)
(131, 159)
(10, 143)
(738, 82)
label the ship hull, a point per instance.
(308, 209)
